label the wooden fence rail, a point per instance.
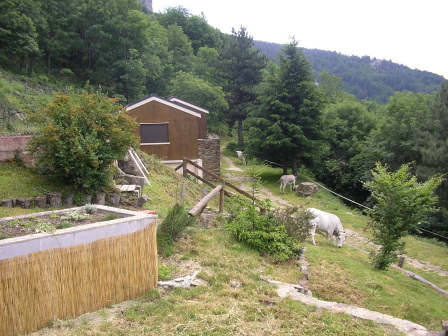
(203, 202)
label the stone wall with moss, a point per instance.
(209, 152)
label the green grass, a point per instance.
(346, 275)
(252, 308)
(427, 250)
(17, 181)
(23, 94)
(387, 292)
(10, 212)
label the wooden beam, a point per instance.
(218, 178)
(139, 165)
(179, 167)
(203, 202)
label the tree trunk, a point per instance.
(240, 134)
(285, 168)
(294, 167)
(48, 64)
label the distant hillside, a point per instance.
(365, 77)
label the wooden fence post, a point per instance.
(182, 193)
(215, 177)
(184, 168)
(221, 201)
(221, 197)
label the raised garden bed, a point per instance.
(48, 274)
(50, 221)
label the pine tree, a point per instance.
(241, 66)
(287, 127)
(433, 145)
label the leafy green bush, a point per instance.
(401, 204)
(164, 272)
(275, 234)
(296, 222)
(79, 136)
(232, 146)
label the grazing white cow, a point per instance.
(285, 180)
(240, 155)
(328, 223)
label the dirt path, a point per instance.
(243, 183)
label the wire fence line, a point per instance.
(320, 185)
(354, 202)
(13, 122)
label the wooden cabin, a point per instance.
(169, 128)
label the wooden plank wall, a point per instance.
(183, 130)
(202, 132)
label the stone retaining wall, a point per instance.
(15, 147)
(57, 200)
(209, 152)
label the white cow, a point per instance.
(328, 223)
(285, 180)
(240, 155)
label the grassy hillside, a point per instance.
(237, 302)
(22, 95)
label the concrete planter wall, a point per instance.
(64, 274)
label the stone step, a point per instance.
(133, 188)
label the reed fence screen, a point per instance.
(63, 283)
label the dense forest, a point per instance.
(330, 116)
(365, 77)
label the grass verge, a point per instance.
(17, 181)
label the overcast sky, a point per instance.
(408, 32)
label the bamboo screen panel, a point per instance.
(64, 283)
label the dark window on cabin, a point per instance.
(154, 133)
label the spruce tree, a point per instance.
(241, 66)
(287, 126)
